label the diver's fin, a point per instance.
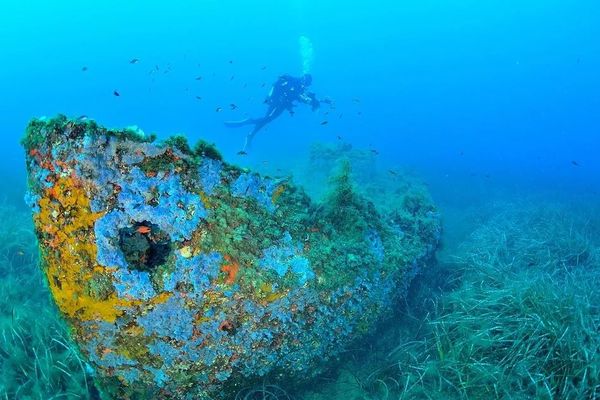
(236, 124)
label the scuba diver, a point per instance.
(283, 94)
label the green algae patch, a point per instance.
(209, 150)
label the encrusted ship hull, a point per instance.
(182, 276)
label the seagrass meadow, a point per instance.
(510, 312)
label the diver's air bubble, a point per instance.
(307, 54)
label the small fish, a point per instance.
(356, 100)
(263, 85)
(324, 122)
(143, 229)
(359, 113)
(230, 61)
(263, 67)
(82, 117)
(219, 109)
(232, 106)
(134, 61)
(199, 78)
(374, 151)
(242, 153)
(198, 97)
(392, 172)
(115, 93)
(575, 163)
(339, 137)
(341, 115)
(232, 77)
(84, 68)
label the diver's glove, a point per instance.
(313, 101)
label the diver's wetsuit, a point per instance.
(285, 92)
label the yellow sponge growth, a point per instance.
(67, 222)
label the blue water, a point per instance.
(466, 93)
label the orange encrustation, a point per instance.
(231, 268)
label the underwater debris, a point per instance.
(182, 276)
